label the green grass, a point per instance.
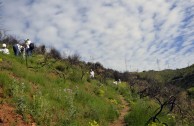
(141, 111)
(52, 99)
(54, 93)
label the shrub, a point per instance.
(74, 59)
(55, 54)
(10, 40)
(40, 50)
(75, 77)
(99, 92)
(60, 68)
(191, 92)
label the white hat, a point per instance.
(4, 45)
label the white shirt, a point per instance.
(115, 82)
(4, 51)
(28, 44)
(19, 47)
(92, 74)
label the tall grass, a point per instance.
(51, 99)
(143, 109)
(4, 79)
(140, 113)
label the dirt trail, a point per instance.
(120, 121)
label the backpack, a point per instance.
(31, 46)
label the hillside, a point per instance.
(49, 91)
(171, 88)
(183, 78)
(45, 89)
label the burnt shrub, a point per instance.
(55, 54)
(40, 49)
(10, 40)
(74, 59)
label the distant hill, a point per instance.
(183, 78)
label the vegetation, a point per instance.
(54, 91)
(51, 89)
(172, 92)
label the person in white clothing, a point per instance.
(27, 42)
(119, 81)
(29, 47)
(91, 74)
(115, 82)
(4, 49)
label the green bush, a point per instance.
(191, 92)
(60, 67)
(75, 76)
(99, 92)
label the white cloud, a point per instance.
(110, 31)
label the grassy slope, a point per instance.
(54, 97)
(54, 93)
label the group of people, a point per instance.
(26, 49)
(18, 49)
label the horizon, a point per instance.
(122, 35)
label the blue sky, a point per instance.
(121, 34)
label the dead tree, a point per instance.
(143, 93)
(170, 103)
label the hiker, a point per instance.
(4, 50)
(91, 74)
(29, 46)
(18, 49)
(119, 81)
(115, 82)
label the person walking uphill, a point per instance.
(91, 74)
(4, 49)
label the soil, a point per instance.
(120, 121)
(9, 117)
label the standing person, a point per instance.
(17, 48)
(4, 50)
(29, 46)
(119, 81)
(91, 74)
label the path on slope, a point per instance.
(120, 121)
